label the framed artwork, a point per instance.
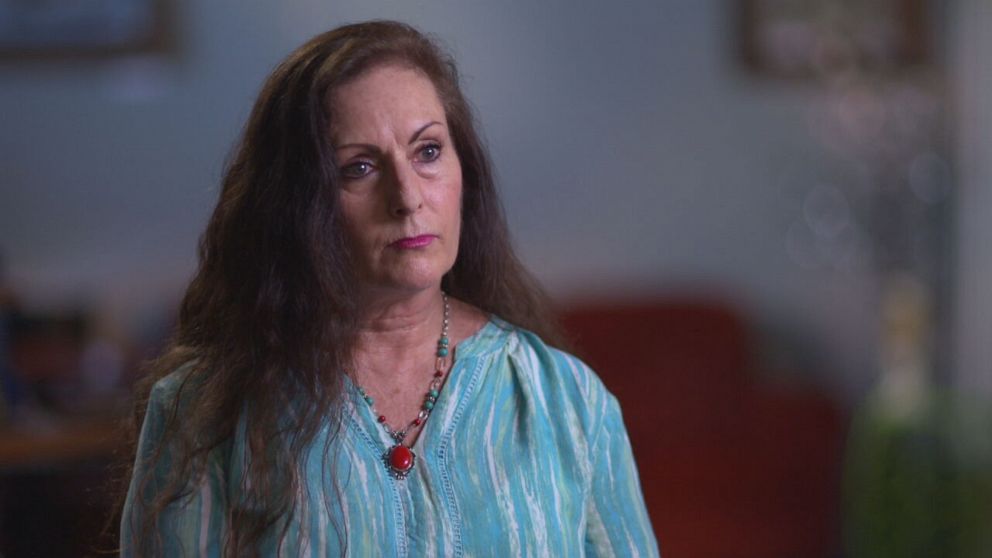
(75, 28)
(803, 38)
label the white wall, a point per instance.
(972, 78)
(634, 159)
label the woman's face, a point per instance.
(401, 182)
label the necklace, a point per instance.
(400, 459)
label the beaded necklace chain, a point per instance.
(400, 459)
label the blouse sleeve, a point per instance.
(193, 526)
(618, 523)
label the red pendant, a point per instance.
(400, 460)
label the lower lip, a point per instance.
(415, 242)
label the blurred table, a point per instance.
(57, 497)
(62, 442)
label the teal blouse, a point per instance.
(525, 454)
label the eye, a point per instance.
(359, 169)
(429, 152)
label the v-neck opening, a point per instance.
(464, 352)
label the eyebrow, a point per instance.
(371, 147)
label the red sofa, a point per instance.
(730, 467)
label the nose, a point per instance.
(406, 196)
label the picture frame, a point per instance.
(72, 29)
(805, 38)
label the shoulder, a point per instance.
(171, 395)
(559, 376)
(529, 347)
(172, 385)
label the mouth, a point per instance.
(419, 241)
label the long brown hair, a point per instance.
(269, 317)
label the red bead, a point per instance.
(417, 421)
(382, 418)
(438, 374)
(401, 458)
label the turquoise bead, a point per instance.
(442, 352)
(433, 394)
(429, 405)
(444, 341)
(368, 400)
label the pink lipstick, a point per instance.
(414, 241)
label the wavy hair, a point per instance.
(269, 317)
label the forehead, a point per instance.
(389, 96)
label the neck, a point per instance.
(397, 336)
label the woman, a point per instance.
(361, 363)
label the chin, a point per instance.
(411, 282)
(411, 276)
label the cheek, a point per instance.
(454, 206)
(456, 220)
(354, 225)
(458, 192)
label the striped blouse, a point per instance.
(525, 454)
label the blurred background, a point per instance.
(764, 221)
